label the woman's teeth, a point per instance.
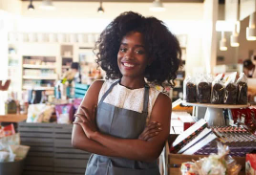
(128, 65)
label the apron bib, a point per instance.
(120, 123)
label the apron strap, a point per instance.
(146, 99)
(108, 91)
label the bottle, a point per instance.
(10, 106)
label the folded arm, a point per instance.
(140, 150)
(79, 139)
(135, 149)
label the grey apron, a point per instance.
(121, 123)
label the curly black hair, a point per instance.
(160, 44)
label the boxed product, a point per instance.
(250, 164)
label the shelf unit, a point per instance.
(14, 68)
(214, 113)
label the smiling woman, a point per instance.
(124, 122)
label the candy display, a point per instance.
(215, 164)
(204, 92)
(242, 89)
(217, 90)
(230, 94)
(190, 93)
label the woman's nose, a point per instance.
(129, 54)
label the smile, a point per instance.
(128, 65)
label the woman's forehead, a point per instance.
(133, 37)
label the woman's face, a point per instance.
(132, 58)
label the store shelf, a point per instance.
(220, 106)
(38, 88)
(64, 67)
(52, 77)
(39, 66)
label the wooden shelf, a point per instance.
(52, 77)
(39, 66)
(13, 118)
(38, 88)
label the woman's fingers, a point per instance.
(152, 129)
(149, 136)
(85, 111)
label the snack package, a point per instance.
(39, 113)
(242, 89)
(190, 92)
(20, 151)
(203, 90)
(250, 164)
(4, 156)
(64, 113)
(217, 93)
(5, 142)
(34, 110)
(230, 93)
(9, 130)
(215, 164)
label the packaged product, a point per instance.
(242, 89)
(38, 113)
(217, 94)
(5, 142)
(65, 113)
(215, 164)
(190, 92)
(250, 164)
(230, 93)
(203, 90)
(9, 130)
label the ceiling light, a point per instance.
(223, 42)
(157, 6)
(234, 37)
(30, 6)
(47, 5)
(250, 30)
(100, 9)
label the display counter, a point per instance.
(13, 118)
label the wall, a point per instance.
(11, 6)
(81, 10)
(181, 18)
(236, 54)
(209, 34)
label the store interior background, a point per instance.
(199, 22)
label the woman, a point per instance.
(132, 122)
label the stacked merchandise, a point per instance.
(201, 140)
(47, 113)
(10, 148)
(227, 90)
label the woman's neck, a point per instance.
(132, 83)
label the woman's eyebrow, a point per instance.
(137, 45)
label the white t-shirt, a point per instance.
(131, 99)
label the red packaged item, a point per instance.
(250, 164)
(9, 130)
(1, 132)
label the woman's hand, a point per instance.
(150, 131)
(87, 122)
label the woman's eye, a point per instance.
(139, 52)
(123, 49)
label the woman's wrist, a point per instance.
(95, 135)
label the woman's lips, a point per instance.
(128, 65)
